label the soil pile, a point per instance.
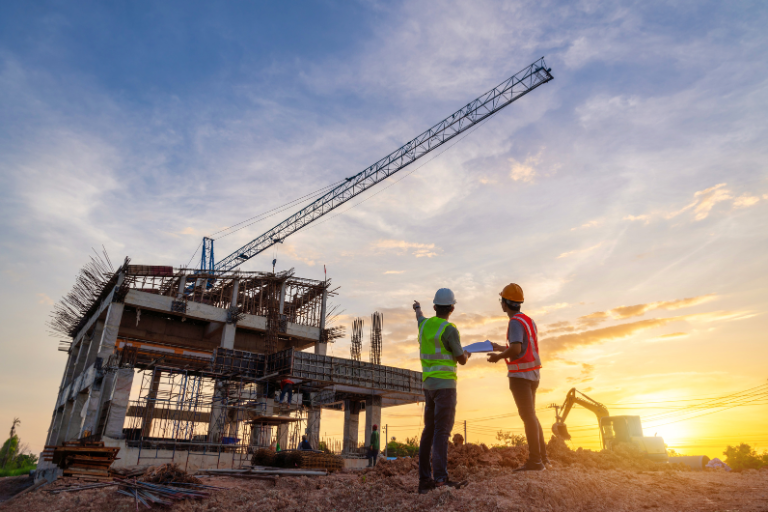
(624, 456)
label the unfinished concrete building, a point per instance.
(178, 365)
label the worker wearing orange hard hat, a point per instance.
(521, 354)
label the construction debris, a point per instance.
(168, 474)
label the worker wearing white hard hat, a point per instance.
(441, 351)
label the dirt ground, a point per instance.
(12, 485)
(577, 481)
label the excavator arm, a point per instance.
(561, 412)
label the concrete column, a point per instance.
(372, 417)
(218, 413)
(282, 298)
(118, 404)
(321, 348)
(351, 425)
(76, 417)
(149, 413)
(110, 330)
(282, 436)
(313, 427)
(106, 347)
(228, 336)
(91, 407)
(61, 428)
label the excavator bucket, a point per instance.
(561, 431)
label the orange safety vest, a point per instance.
(530, 361)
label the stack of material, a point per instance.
(320, 460)
(263, 457)
(91, 460)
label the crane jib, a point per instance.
(465, 118)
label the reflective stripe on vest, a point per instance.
(436, 360)
(530, 361)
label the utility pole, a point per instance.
(386, 441)
(465, 432)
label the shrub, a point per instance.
(744, 457)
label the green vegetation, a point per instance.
(507, 439)
(408, 449)
(745, 457)
(15, 458)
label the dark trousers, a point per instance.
(439, 414)
(524, 393)
(287, 390)
(372, 456)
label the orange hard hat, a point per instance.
(512, 292)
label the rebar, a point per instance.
(377, 320)
(357, 339)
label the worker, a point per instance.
(304, 445)
(440, 348)
(373, 446)
(521, 354)
(286, 387)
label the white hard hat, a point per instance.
(444, 297)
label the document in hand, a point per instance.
(480, 346)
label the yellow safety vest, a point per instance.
(437, 361)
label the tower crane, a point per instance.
(510, 90)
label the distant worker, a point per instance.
(304, 445)
(373, 446)
(523, 363)
(273, 445)
(286, 387)
(440, 348)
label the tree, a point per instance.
(11, 447)
(744, 457)
(510, 439)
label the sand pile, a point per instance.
(168, 474)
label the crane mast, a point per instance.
(462, 120)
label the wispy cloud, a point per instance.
(578, 251)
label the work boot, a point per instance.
(450, 483)
(532, 466)
(426, 485)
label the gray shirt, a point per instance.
(452, 342)
(518, 334)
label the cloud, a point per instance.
(566, 342)
(633, 218)
(624, 312)
(667, 337)
(589, 224)
(44, 299)
(745, 200)
(587, 371)
(578, 251)
(548, 309)
(525, 171)
(419, 250)
(394, 272)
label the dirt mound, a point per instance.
(479, 455)
(401, 466)
(624, 456)
(168, 474)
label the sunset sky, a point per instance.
(628, 197)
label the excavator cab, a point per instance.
(629, 429)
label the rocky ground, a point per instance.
(577, 481)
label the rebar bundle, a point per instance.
(89, 283)
(377, 320)
(356, 347)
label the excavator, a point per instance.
(613, 429)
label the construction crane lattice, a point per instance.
(462, 120)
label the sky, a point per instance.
(628, 197)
